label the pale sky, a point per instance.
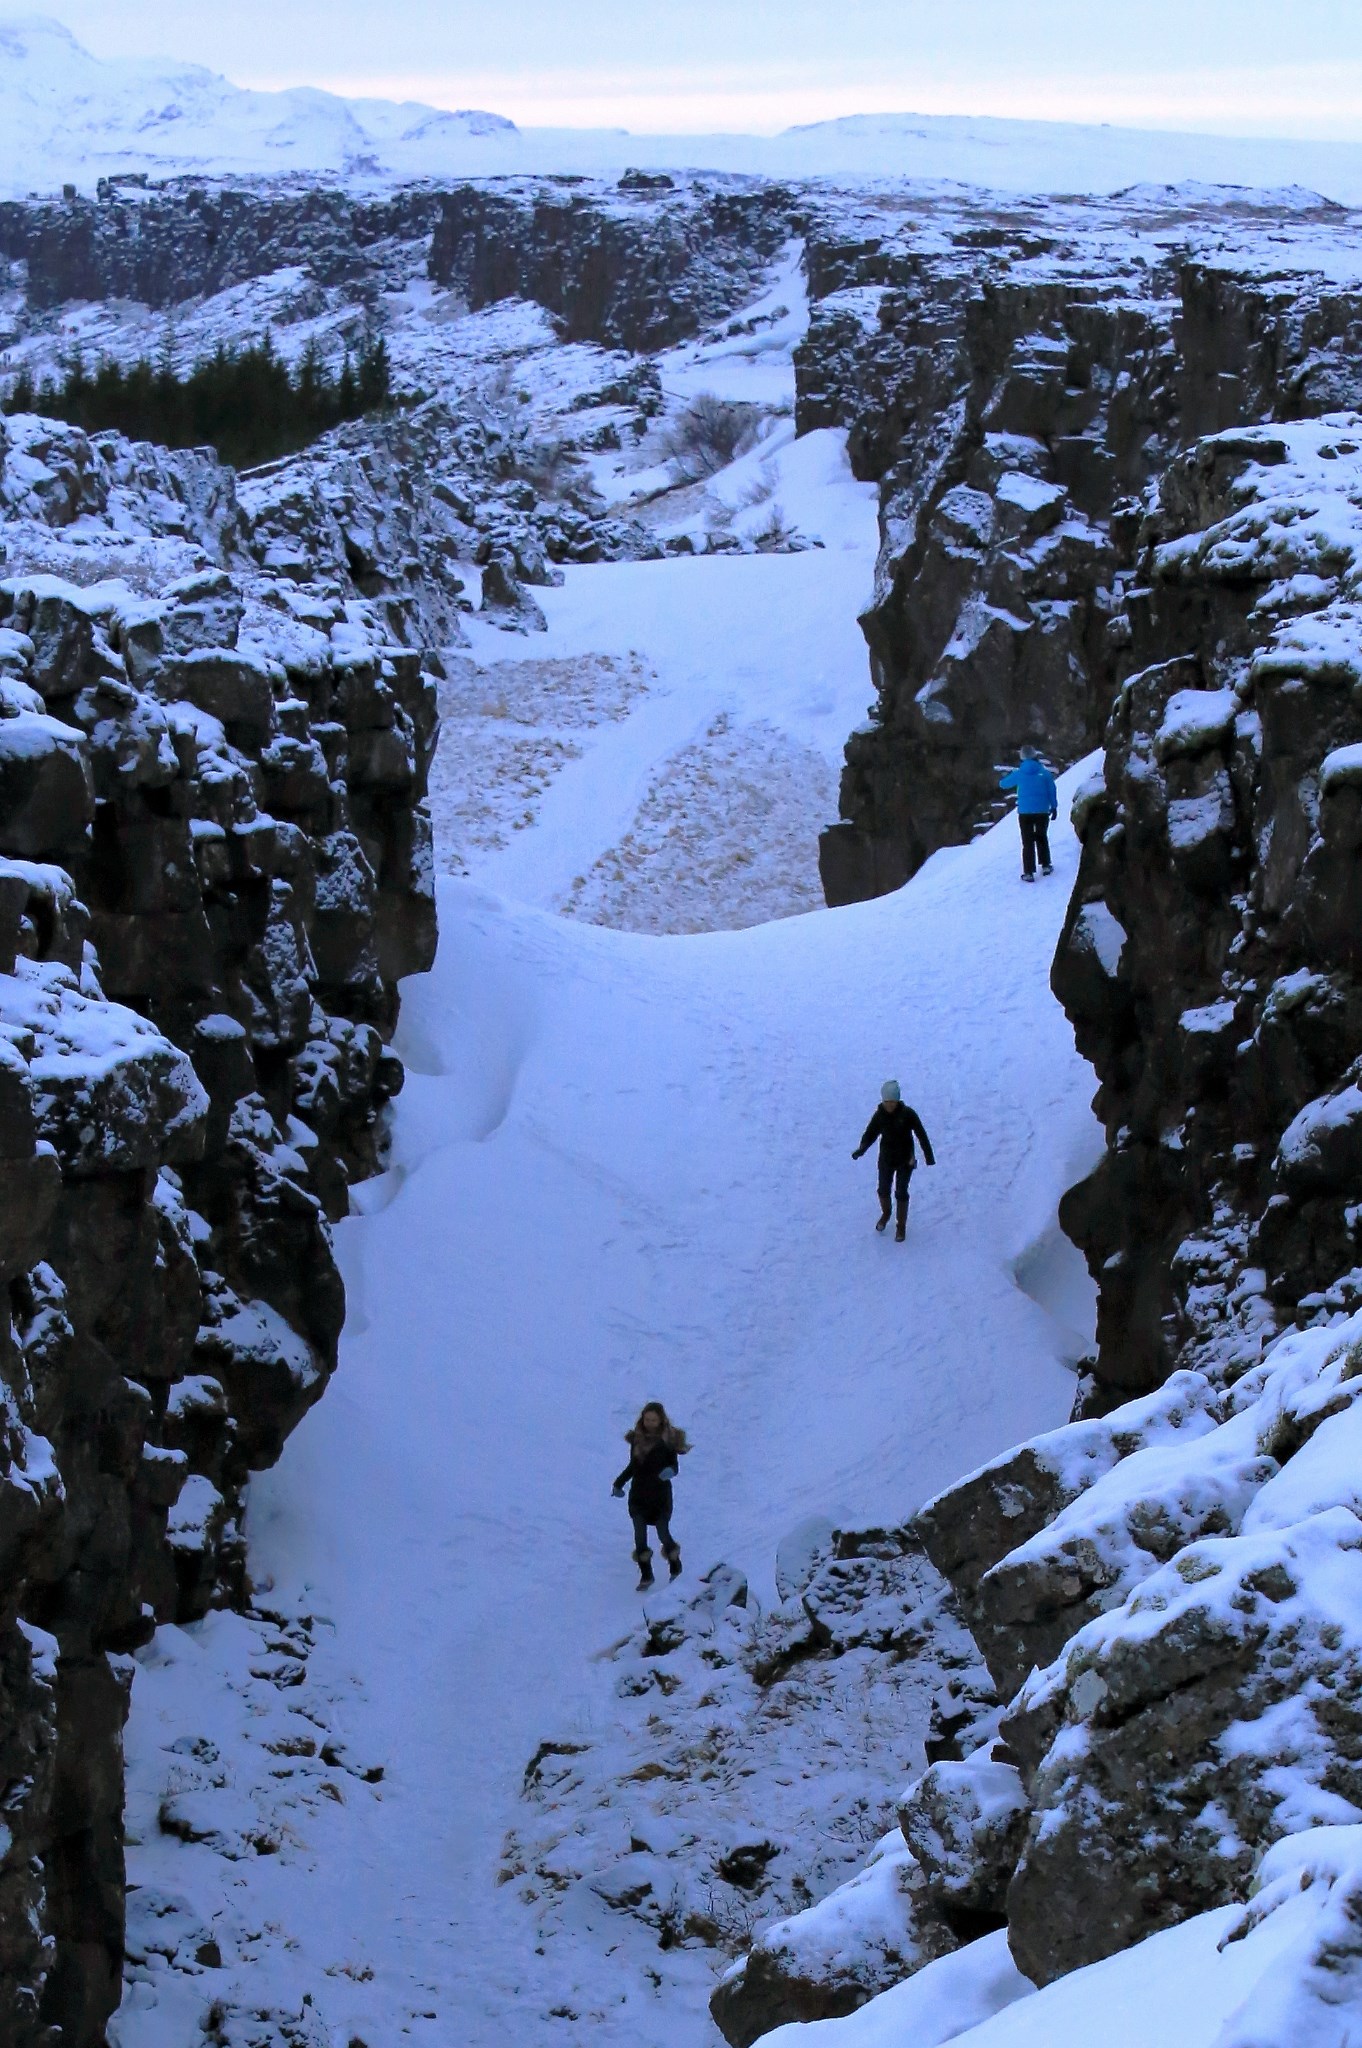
(1248, 67)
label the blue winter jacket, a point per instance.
(1037, 796)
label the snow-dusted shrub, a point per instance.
(707, 436)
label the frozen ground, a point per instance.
(620, 1170)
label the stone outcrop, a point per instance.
(1210, 958)
(214, 868)
(398, 507)
(186, 238)
(636, 268)
(1016, 379)
(1167, 1598)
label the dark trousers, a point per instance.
(1035, 832)
(663, 1526)
(894, 1180)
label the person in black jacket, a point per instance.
(897, 1127)
(655, 1445)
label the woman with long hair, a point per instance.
(655, 1446)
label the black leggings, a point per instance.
(1035, 832)
(663, 1526)
(894, 1179)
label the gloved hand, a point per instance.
(858, 1154)
(617, 1493)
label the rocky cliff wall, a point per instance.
(214, 868)
(636, 265)
(161, 245)
(1018, 382)
(1211, 954)
(630, 269)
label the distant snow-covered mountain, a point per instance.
(66, 115)
(69, 117)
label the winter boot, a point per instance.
(902, 1228)
(644, 1560)
(1026, 877)
(674, 1563)
(884, 1220)
(1047, 871)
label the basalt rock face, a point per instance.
(629, 269)
(188, 238)
(1017, 381)
(629, 266)
(1211, 956)
(214, 867)
(1006, 426)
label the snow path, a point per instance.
(622, 1170)
(772, 634)
(744, 655)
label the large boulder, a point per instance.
(46, 792)
(832, 1959)
(1219, 1707)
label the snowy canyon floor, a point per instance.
(620, 1169)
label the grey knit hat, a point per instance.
(891, 1092)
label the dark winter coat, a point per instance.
(896, 1128)
(650, 1473)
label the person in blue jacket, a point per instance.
(1037, 803)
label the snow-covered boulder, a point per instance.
(965, 1824)
(46, 787)
(868, 1934)
(1219, 1707)
(972, 1526)
(1310, 1995)
(1096, 1550)
(1321, 1149)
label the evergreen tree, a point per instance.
(375, 376)
(245, 402)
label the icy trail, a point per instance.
(621, 1170)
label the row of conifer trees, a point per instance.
(246, 402)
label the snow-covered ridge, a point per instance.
(66, 115)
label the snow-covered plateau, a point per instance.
(424, 1038)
